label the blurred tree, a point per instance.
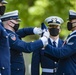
(33, 12)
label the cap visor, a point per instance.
(53, 24)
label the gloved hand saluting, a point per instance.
(37, 31)
(45, 34)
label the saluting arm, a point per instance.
(67, 50)
(29, 31)
(26, 47)
(24, 32)
(22, 46)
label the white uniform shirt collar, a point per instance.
(55, 41)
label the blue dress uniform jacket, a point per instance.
(24, 32)
(17, 46)
(46, 63)
(66, 54)
(4, 52)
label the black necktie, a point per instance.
(54, 44)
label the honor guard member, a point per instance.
(17, 46)
(67, 53)
(4, 45)
(48, 66)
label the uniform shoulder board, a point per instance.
(71, 37)
(12, 36)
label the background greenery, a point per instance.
(34, 12)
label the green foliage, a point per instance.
(33, 12)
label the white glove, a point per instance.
(46, 34)
(44, 40)
(45, 37)
(37, 31)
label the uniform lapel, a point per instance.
(49, 41)
(59, 43)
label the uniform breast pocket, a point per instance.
(4, 34)
(4, 39)
(17, 65)
(17, 69)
